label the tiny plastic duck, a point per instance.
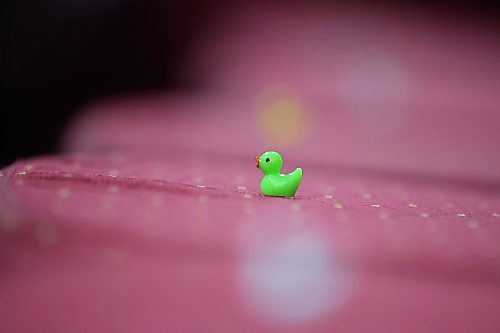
(274, 183)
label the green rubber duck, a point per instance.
(274, 183)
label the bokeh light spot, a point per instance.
(283, 121)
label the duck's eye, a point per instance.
(267, 160)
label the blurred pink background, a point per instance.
(151, 219)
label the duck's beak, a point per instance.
(257, 160)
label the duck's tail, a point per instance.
(298, 173)
(297, 176)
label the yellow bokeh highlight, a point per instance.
(283, 121)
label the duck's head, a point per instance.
(270, 162)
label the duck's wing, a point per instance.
(281, 185)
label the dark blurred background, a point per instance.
(56, 56)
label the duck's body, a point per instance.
(274, 183)
(280, 185)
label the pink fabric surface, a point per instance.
(121, 241)
(152, 221)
